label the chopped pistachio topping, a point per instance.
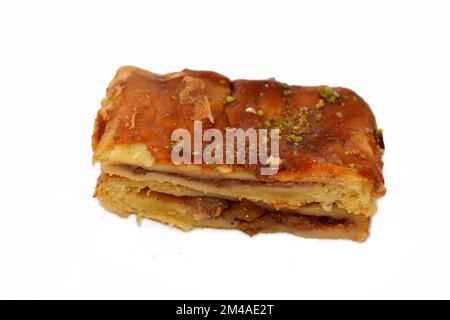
(260, 113)
(339, 114)
(295, 125)
(230, 99)
(318, 116)
(287, 92)
(294, 138)
(380, 132)
(283, 124)
(267, 123)
(285, 85)
(328, 94)
(320, 104)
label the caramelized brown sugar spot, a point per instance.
(323, 129)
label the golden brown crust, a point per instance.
(321, 134)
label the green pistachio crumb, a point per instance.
(294, 138)
(230, 99)
(267, 123)
(285, 85)
(287, 92)
(318, 116)
(320, 104)
(339, 114)
(328, 94)
(260, 113)
(380, 132)
(282, 124)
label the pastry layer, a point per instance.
(125, 197)
(351, 195)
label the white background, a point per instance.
(56, 59)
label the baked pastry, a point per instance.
(328, 169)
